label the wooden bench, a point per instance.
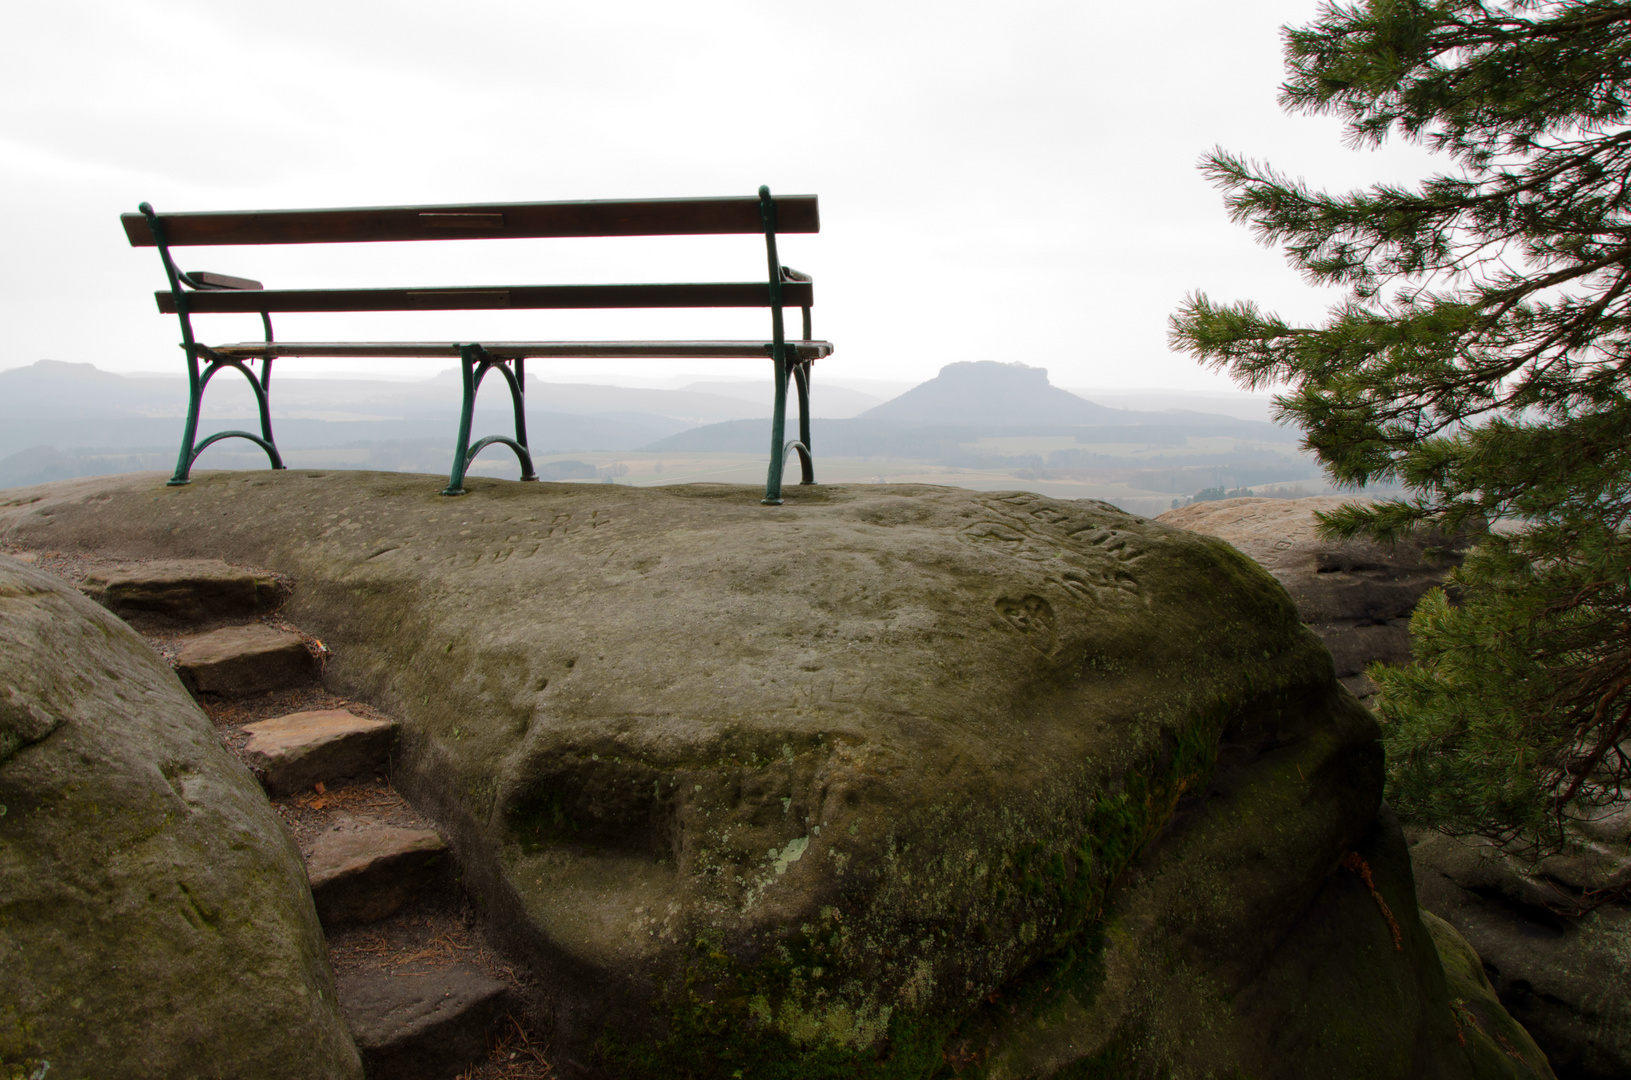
(202, 292)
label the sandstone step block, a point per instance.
(421, 1026)
(296, 751)
(187, 589)
(240, 660)
(366, 875)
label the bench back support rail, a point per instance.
(198, 378)
(778, 355)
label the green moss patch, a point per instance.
(789, 1016)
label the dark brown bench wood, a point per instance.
(709, 294)
(512, 350)
(539, 220)
(202, 292)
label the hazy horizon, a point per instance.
(1230, 401)
(988, 426)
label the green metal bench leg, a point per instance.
(265, 397)
(518, 390)
(778, 352)
(189, 431)
(197, 384)
(784, 366)
(461, 449)
(196, 381)
(801, 375)
(778, 426)
(475, 363)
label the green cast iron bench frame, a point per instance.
(202, 292)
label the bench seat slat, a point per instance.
(704, 294)
(463, 221)
(510, 350)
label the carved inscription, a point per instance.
(1100, 560)
(990, 532)
(1030, 614)
(524, 537)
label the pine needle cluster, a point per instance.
(1479, 360)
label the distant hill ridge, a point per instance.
(64, 419)
(81, 390)
(986, 393)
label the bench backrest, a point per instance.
(217, 293)
(478, 221)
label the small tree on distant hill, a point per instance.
(1481, 360)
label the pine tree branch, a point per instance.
(1482, 358)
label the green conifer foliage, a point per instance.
(1480, 359)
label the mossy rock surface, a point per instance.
(154, 914)
(887, 781)
(1562, 977)
(1501, 1045)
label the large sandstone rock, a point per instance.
(1356, 595)
(154, 917)
(1550, 970)
(1481, 1020)
(874, 781)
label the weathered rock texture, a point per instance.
(154, 917)
(878, 779)
(1564, 978)
(1481, 1021)
(185, 590)
(1356, 595)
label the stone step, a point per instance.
(421, 1025)
(190, 590)
(294, 752)
(240, 660)
(366, 874)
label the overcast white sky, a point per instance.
(998, 181)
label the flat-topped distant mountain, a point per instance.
(997, 395)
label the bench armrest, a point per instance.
(205, 279)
